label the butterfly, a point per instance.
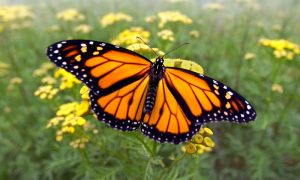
(128, 91)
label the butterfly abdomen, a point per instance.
(150, 96)
(156, 74)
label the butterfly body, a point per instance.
(128, 91)
(156, 73)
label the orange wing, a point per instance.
(118, 78)
(122, 109)
(167, 121)
(205, 100)
(101, 66)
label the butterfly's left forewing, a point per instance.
(118, 78)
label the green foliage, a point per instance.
(265, 149)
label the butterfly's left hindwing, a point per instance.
(118, 78)
(168, 122)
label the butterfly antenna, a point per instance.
(147, 45)
(183, 44)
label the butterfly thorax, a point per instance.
(156, 73)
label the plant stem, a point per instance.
(175, 162)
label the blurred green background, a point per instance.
(249, 45)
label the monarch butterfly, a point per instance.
(128, 91)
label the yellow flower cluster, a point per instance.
(4, 68)
(79, 143)
(46, 92)
(112, 18)
(83, 28)
(200, 143)
(69, 116)
(129, 36)
(172, 16)
(281, 48)
(15, 12)
(150, 19)
(67, 79)
(70, 15)
(43, 70)
(213, 6)
(194, 33)
(15, 16)
(277, 88)
(14, 82)
(166, 34)
(185, 64)
(53, 28)
(249, 56)
(251, 4)
(70, 119)
(142, 48)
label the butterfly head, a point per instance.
(159, 60)
(158, 67)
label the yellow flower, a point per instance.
(43, 70)
(129, 36)
(13, 13)
(49, 80)
(83, 108)
(7, 110)
(190, 148)
(208, 142)
(277, 88)
(185, 64)
(194, 33)
(201, 142)
(150, 19)
(172, 16)
(142, 48)
(54, 121)
(198, 138)
(166, 34)
(213, 6)
(277, 27)
(67, 79)
(84, 92)
(14, 81)
(53, 28)
(70, 15)
(4, 68)
(59, 138)
(112, 18)
(46, 92)
(251, 4)
(66, 109)
(79, 143)
(281, 48)
(249, 56)
(83, 28)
